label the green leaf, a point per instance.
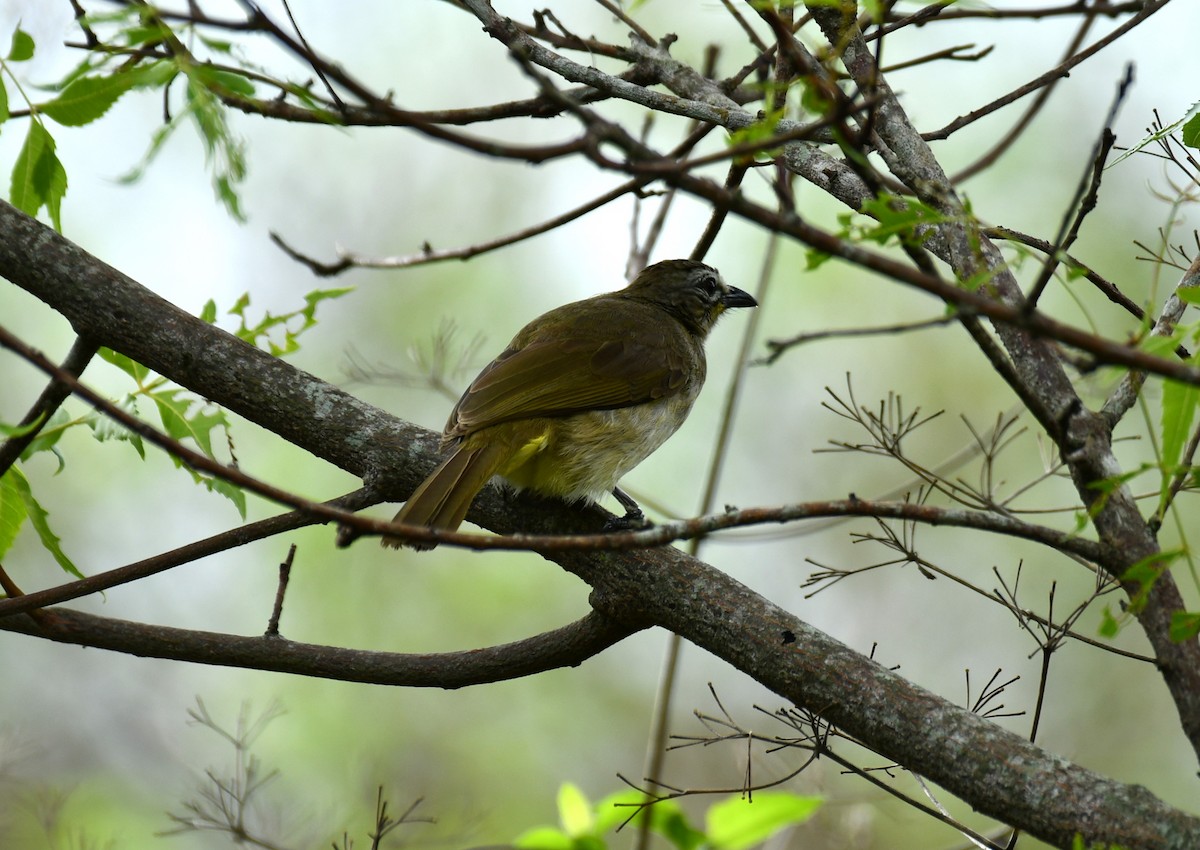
(1179, 402)
(1189, 294)
(50, 434)
(22, 46)
(760, 132)
(574, 811)
(1145, 572)
(224, 152)
(814, 259)
(104, 428)
(666, 818)
(673, 825)
(908, 220)
(1161, 345)
(130, 367)
(12, 510)
(38, 178)
(1191, 131)
(1079, 843)
(543, 838)
(222, 487)
(228, 80)
(1185, 625)
(87, 99)
(292, 329)
(39, 518)
(739, 823)
(1189, 123)
(183, 417)
(1110, 626)
(3, 103)
(18, 430)
(616, 808)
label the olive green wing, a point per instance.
(558, 377)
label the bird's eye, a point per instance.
(710, 286)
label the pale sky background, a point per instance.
(111, 730)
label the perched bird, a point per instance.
(582, 394)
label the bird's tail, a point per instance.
(445, 496)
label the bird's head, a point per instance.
(690, 291)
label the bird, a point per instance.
(582, 395)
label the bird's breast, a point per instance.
(584, 455)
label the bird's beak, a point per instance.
(735, 297)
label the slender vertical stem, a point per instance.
(656, 747)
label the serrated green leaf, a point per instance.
(87, 99)
(49, 434)
(574, 811)
(239, 306)
(38, 178)
(12, 510)
(222, 487)
(312, 299)
(1179, 402)
(21, 48)
(183, 418)
(224, 152)
(227, 194)
(1185, 625)
(17, 430)
(104, 428)
(130, 367)
(1190, 119)
(737, 823)
(1190, 132)
(257, 333)
(157, 139)
(39, 518)
(3, 102)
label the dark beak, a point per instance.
(735, 297)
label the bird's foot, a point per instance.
(634, 520)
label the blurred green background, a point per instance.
(105, 737)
